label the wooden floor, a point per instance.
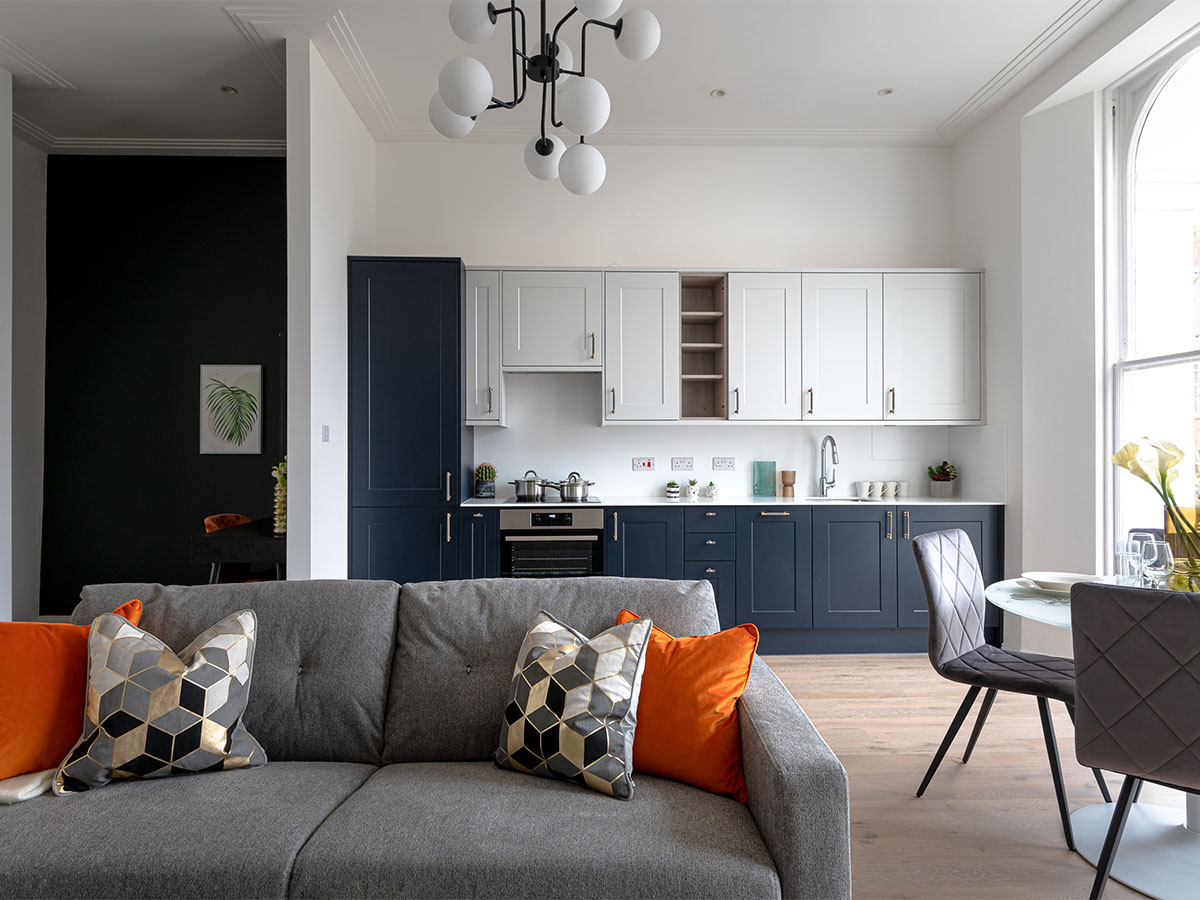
(989, 829)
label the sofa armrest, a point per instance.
(798, 791)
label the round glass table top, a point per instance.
(1048, 607)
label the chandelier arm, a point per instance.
(561, 23)
(519, 71)
(583, 40)
(554, 105)
(543, 119)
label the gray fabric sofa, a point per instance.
(379, 707)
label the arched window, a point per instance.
(1156, 274)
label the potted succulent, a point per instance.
(693, 489)
(941, 480)
(711, 490)
(485, 480)
(672, 490)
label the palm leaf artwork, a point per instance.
(232, 411)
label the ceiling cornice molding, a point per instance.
(27, 71)
(45, 141)
(976, 107)
(31, 133)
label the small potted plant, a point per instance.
(485, 480)
(693, 489)
(711, 490)
(672, 490)
(941, 480)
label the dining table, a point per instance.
(253, 543)
(1159, 853)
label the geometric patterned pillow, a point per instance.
(572, 710)
(150, 713)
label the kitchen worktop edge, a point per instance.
(506, 502)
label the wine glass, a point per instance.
(1157, 561)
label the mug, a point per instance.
(902, 488)
(876, 490)
(889, 489)
(863, 488)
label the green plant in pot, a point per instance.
(693, 490)
(485, 480)
(673, 490)
(941, 479)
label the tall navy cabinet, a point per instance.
(409, 452)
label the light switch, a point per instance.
(325, 434)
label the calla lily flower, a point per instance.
(1169, 455)
(1132, 457)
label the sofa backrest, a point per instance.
(457, 644)
(322, 662)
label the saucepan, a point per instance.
(530, 489)
(574, 489)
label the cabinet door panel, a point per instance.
(854, 567)
(764, 346)
(405, 412)
(774, 567)
(842, 354)
(722, 575)
(479, 543)
(644, 542)
(403, 544)
(553, 320)
(641, 345)
(481, 337)
(931, 346)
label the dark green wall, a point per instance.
(154, 266)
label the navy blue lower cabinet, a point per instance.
(854, 566)
(774, 566)
(643, 542)
(723, 576)
(404, 544)
(983, 525)
(479, 543)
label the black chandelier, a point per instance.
(465, 85)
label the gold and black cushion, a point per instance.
(572, 710)
(150, 712)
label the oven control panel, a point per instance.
(550, 520)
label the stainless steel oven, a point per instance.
(551, 543)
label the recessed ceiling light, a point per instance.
(718, 93)
(884, 92)
(228, 89)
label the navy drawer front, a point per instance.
(724, 581)
(722, 518)
(710, 545)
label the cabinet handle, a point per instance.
(907, 536)
(490, 399)
(614, 526)
(892, 411)
(774, 513)
(710, 513)
(710, 571)
(447, 528)
(614, 403)
(811, 394)
(737, 401)
(476, 515)
(593, 345)
(710, 542)
(889, 531)
(447, 486)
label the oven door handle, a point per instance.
(550, 537)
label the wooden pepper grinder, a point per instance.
(789, 482)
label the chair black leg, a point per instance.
(1137, 791)
(214, 574)
(1096, 772)
(1060, 790)
(984, 708)
(951, 732)
(1116, 827)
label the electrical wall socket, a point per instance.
(681, 464)
(722, 464)
(643, 464)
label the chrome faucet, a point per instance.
(826, 482)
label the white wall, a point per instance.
(29, 373)
(331, 215)
(7, 474)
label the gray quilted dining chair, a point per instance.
(1137, 693)
(958, 652)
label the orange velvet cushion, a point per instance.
(43, 680)
(687, 718)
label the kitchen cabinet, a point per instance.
(842, 346)
(723, 577)
(484, 403)
(854, 566)
(764, 331)
(644, 542)
(404, 544)
(479, 543)
(932, 346)
(774, 566)
(641, 346)
(552, 321)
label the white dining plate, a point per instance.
(1057, 581)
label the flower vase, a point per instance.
(1186, 576)
(280, 508)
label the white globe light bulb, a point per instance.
(640, 34)
(566, 60)
(581, 169)
(544, 167)
(598, 9)
(449, 124)
(584, 106)
(465, 86)
(472, 20)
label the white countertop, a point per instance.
(722, 500)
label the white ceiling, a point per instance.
(144, 75)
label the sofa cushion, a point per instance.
(225, 834)
(321, 666)
(472, 830)
(457, 640)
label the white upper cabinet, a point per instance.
(932, 344)
(843, 346)
(764, 346)
(641, 346)
(481, 334)
(552, 321)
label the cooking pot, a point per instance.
(574, 489)
(530, 490)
